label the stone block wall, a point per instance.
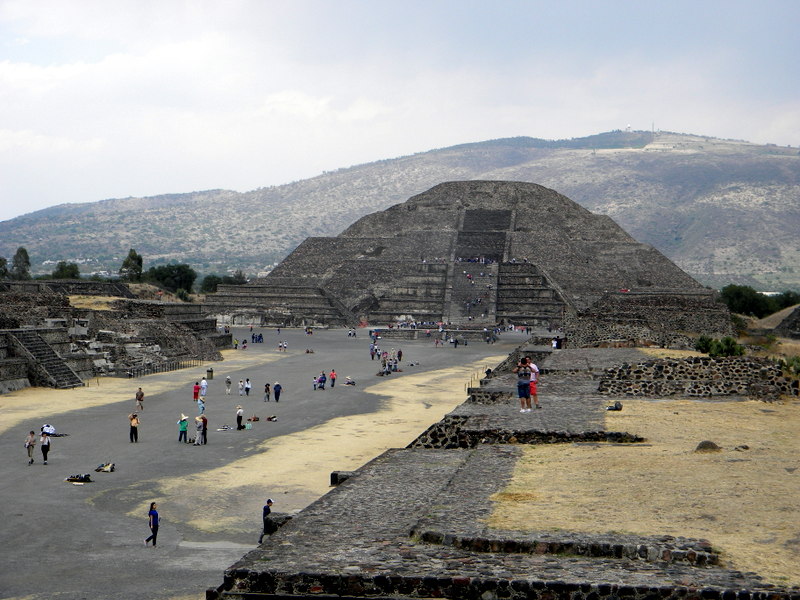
(648, 318)
(699, 376)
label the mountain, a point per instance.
(723, 210)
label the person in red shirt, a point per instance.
(332, 377)
(196, 391)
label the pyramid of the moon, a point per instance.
(475, 253)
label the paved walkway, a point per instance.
(64, 541)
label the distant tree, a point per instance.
(3, 268)
(210, 283)
(173, 277)
(65, 270)
(238, 278)
(745, 300)
(786, 299)
(21, 265)
(132, 266)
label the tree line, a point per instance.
(176, 278)
(744, 300)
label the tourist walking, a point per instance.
(139, 400)
(201, 406)
(239, 416)
(45, 445)
(183, 426)
(203, 387)
(152, 521)
(134, 432)
(321, 380)
(30, 445)
(277, 389)
(228, 385)
(204, 431)
(196, 391)
(241, 387)
(268, 526)
(247, 387)
(266, 392)
(332, 377)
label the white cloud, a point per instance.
(138, 98)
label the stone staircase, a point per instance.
(46, 362)
(473, 296)
(525, 295)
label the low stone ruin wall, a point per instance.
(453, 431)
(642, 319)
(700, 376)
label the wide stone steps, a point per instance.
(40, 352)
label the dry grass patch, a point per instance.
(745, 502)
(93, 302)
(668, 353)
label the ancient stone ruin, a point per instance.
(476, 253)
(45, 341)
(415, 522)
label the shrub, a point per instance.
(703, 344)
(727, 346)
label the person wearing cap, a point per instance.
(198, 425)
(239, 415)
(269, 526)
(183, 426)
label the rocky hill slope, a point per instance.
(723, 210)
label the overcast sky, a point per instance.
(102, 99)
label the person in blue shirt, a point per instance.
(153, 520)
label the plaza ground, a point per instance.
(66, 541)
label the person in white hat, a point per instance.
(183, 426)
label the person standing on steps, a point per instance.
(139, 399)
(134, 432)
(30, 446)
(523, 371)
(153, 519)
(45, 445)
(277, 389)
(534, 382)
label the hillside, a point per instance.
(725, 211)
